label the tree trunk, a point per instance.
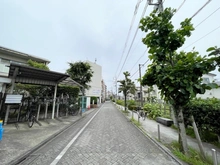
(198, 138)
(182, 131)
(218, 138)
(125, 102)
(173, 116)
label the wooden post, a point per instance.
(11, 91)
(198, 138)
(58, 106)
(46, 108)
(214, 157)
(54, 101)
(38, 112)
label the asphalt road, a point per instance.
(103, 137)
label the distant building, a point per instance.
(207, 78)
(215, 92)
(147, 93)
(103, 92)
(97, 85)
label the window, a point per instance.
(205, 80)
(4, 67)
(139, 95)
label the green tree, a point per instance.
(177, 75)
(126, 86)
(37, 65)
(80, 72)
(215, 54)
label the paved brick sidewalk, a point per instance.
(111, 139)
(16, 142)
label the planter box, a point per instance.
(93, 106)
(164, 121)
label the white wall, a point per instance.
(209, 78)
(216, 93)
(88, 102)
(96, 85)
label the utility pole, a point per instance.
(157, 6)
(116, 90)
(141, 95)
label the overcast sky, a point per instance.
(65, 31)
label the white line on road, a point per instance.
(57, 159)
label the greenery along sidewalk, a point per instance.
(206, 114)
(193, 158)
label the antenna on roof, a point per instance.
(95, 60)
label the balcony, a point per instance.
(4, 69)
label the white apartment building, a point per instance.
(209, 78)
(146, 93)
(95, 84)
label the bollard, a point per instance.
(1, 130)
(158, 127)
(214, 157)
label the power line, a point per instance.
(144, 11)
(138, 60)
(134, 73)
(207, 17)
(201, 8)
(129, 32)
(180, 6)
(141, 66)
(202, 37)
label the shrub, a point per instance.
(206, 113)
(131, 105)
(120, 102)
(93, 99)
(153, 110)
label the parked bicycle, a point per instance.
(141, 113)
(30, 114)
(73, 109)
